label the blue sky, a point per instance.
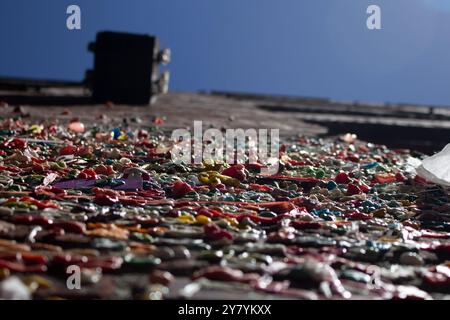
(316, 48)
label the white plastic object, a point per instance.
(436, 168)
(12, 288)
